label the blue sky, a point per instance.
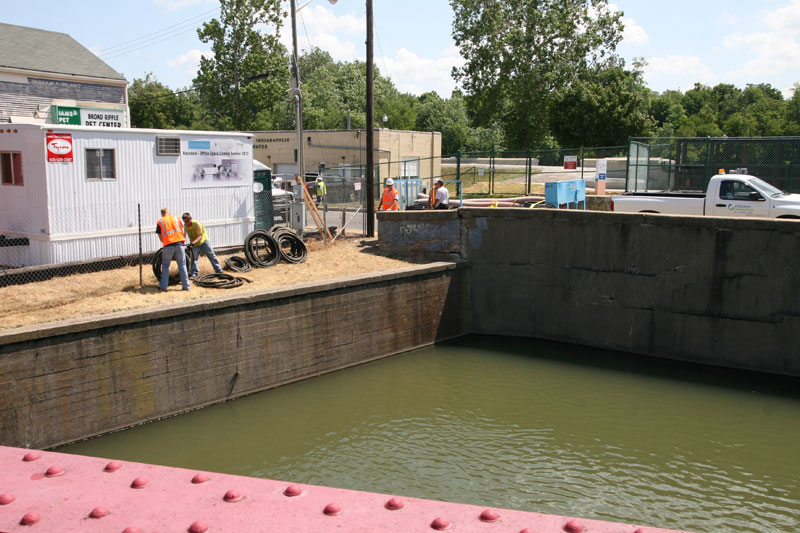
(683, 42)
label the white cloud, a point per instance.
(190, 61)
(675, 71)
(318, 26)
(633, 33)
(770, 53)
(414, 74)
(783, 19)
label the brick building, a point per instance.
(49, 78)
(398, 154)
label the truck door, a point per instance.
(737, 199)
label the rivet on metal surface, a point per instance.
(489, 516)
(440, 524)
(29, 519)
(233, 496)
(113, 466)
(31, 456)
(6, 498)
(139, 483)
(333, 509)
(98, 512)
(573, 526)
(131, 529)
(54, 471)
(293, 490)
(200, 478)
(198, 527)
(394, 504)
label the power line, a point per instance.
(155, 37)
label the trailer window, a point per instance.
(100, 164)
(11, 168)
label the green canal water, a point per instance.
(514, 423)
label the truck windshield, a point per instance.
(765, 188)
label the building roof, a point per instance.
(49, 51)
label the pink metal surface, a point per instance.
(71, 493)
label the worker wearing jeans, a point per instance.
(170, 231)
(199, 240)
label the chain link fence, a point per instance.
(687, 164)
(505, 174)
(105, 237)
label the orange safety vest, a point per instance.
(389, 200)
(171, 230)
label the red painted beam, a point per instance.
(49, 492)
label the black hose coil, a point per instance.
(174, 278)
(219, 281)
(237, 264)
(261, 249)
(292, 247)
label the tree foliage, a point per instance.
(603, 107)
(519, 52)
(154, 105)
(248, 71)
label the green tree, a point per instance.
(603, 107)
(668, 112)
(154, 105)
(248, 69)
(518, 52)
(793, 112)
(331, 89)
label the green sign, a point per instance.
(68, 115)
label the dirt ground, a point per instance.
(99, 293)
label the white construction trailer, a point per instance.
(71, 193)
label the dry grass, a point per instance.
(99, 293)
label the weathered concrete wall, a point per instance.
(71, 380)
(715, 291)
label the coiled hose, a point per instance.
(174, 278)
(219, 281)
(238, 264)
(261, 249)
(292, 248)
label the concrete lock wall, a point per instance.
(708, 290)
(66, 381)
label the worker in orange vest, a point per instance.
(390, 199)
(170, 229)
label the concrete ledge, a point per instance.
(711, 290)
(78, 325)
(72, 380)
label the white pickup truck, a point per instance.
(728, 195)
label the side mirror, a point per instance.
(755, 196)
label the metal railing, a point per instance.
(671, 164)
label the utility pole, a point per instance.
(370, 130)
(297, 95)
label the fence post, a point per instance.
(491, 171)
(791, 163)
(580, 156)
(458, 165)
(528, 172)
(139, 208)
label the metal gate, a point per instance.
(262, 196)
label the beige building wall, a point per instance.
(397, 153)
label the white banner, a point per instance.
(103, 118)
(216, 163)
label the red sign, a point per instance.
(570, 162)
(59, 148)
